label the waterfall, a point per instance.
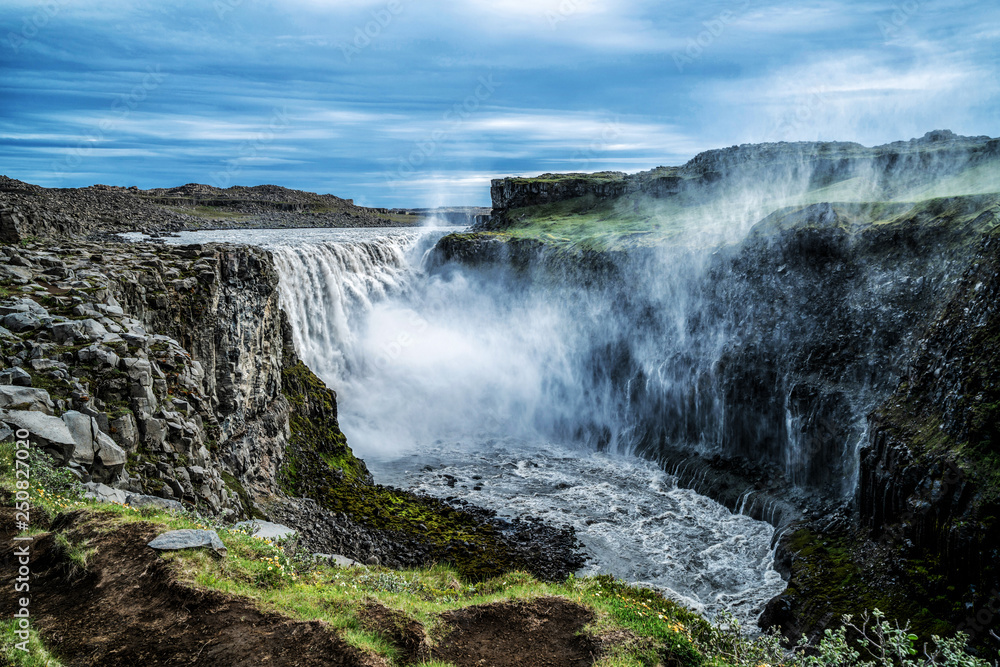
(327, 289)
(674, 349)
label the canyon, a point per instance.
(804, 333)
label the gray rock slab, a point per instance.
(140, 500)
(26, 398)
(338, 560)
(66, 331)
(266, 529)
(93, 329)
(188, 538)
(50, 431)
(15, 376)
(104, 493)
(19, 322)
(108, 451)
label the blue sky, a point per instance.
(407, 103)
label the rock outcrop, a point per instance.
(29, 211)
(800, 330)
(884, 170)
(133, 408)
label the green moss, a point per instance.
(595, 178)
(320, 465)
(315, 431)
(833, 575)
(57, 389)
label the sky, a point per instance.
(406, 103)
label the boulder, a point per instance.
(108, 453)
(9, 308)
(188, 538)
(338, 560)
(139, 370)
(20, 322)
(50, 432)
(83, 428)
(125, 432)
(92, 445)
(15, 376)
(266, 529)
(97, 353)
(153, 432)
(66, 332)
(110, 310)
(47, 365)
(93, 329)
(24, 398)
(19, 274)
(140, 500)
(104, 493)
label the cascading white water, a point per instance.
(450, 382)
(328, 289)
(416, 358)
(503, 386)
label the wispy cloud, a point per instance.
(581, 85)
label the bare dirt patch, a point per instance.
(542, 633)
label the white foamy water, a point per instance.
(632, 518)
(465, 373)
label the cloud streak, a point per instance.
(580, 85)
